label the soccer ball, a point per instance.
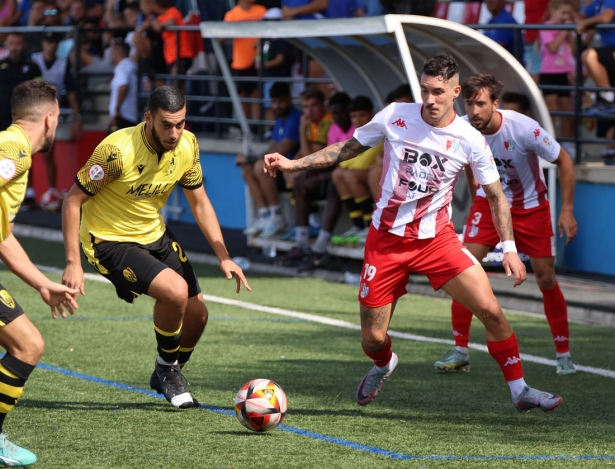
(51, 201)
(260, 405)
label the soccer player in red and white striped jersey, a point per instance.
(426, 148)
(517, 143)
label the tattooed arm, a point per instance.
(502, 219)
(328, 156)
(500, 210)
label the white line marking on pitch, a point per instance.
(348, 325)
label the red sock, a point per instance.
(557, 315)
(506, 353)
(383, 356)
(461, 317)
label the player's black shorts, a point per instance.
(9, 308)
(557, 79)
(132, 267)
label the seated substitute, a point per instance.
(263, 189)
(120, 192)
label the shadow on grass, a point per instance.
(105, 406)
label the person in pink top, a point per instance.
(426, 147)
(557, 62)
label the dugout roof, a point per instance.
(373, 55)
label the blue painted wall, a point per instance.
(225, 188)
(593, 250)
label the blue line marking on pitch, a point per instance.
(318, 436)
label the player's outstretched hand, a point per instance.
(60, 298)
(567, 224)
(231, 270)
(513, 266)
(274, 162)
(73, 278)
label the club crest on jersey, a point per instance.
(453, 145)
(510, 146)
(129, 274)
(7, 169)
(473, 231)
(172, 166)
(364, 290)
(96, 173)
(536, 134)
(7, 299)
(546, 141)
(400, 123)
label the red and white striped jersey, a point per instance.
(516, 146)
(421, 167)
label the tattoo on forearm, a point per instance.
(376, 319)
(500, 210)
(331, 155)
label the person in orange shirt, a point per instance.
(169, 15)
(244, 54)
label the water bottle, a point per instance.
(269, 250)
(352, 279)
(243, 262)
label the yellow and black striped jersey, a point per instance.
(15, 161)
(130, 183)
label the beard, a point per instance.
(159, 142)
(483, 125)
(47, 144)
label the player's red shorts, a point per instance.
(532, 228)
(390, 259)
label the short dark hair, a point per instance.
(361, 103)
(390, 98)
(340, 99)
(29, 97)
(134, 6)
(123, 46)
(441, 65)
(482, 81)
(165, 3)
(313, 92)
(279, 90)
(518, 98)
(167, 98)
(401, 91)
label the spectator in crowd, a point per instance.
(403, 94)
(373, 7)
(558, 65)
(264, 189)
(7, 12)
(309, 186)
(148, 43)
(57, 72)
(96, 9)
(22, 12)
(504, 37)
(36, 14)
(276, 60)
(341, 129)
(14, 69)
(131, 20)
(345, 9)
(534, 14)
(123, 111)
(410, 7)
(516, 102)
(600, 64)
(178, 62)
(77, 13)
(244, 54)
(304, 9)
(351, 179)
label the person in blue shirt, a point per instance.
(304, 9)
(345, 9)
(599, 61)
(264, 189)
(504, 37)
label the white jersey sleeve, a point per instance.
(542, 144)
(374, 132)
(481, 161)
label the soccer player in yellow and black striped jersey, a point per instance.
(121, 190)
(35, 119)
